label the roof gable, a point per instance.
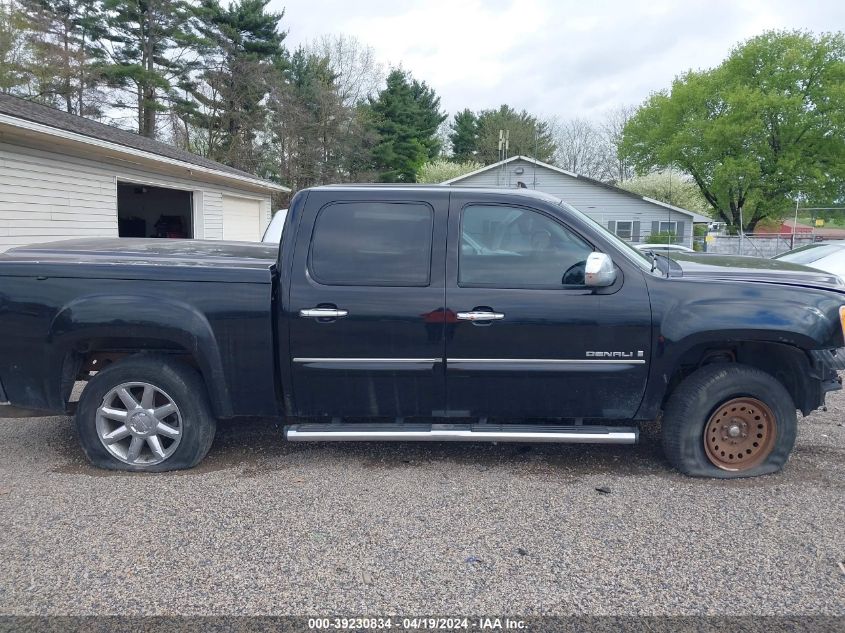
(697, 217)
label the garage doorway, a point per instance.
(146, 211)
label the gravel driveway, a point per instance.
(264, 527)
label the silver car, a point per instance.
(827, 256)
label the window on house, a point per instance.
(625, 230)
(669, 227)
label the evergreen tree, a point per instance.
(13, 48)
(528, 136)
(464, 136)
(407, 115)
(65, 44)
(150, 54)
(243, 57)
(307, 116)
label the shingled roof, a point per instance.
(45, 115)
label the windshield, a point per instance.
(638, 257)
(810, 253)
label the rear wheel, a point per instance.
(727, 421)
(145, 413)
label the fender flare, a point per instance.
(139, 317)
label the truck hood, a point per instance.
(757, 269)
(144, 258)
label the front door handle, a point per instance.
(322, 313)
(480, 315)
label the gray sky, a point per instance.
(552, 58)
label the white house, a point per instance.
(629, 215)
(64, 176)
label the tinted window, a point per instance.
(510, 247)
(372, 244)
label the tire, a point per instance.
(189, 428)
(703, 405)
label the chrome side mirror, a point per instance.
(599, 271)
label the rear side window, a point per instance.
(372, 244)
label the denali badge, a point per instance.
(614, 354)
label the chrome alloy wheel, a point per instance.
(139, 424)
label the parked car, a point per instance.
(827, 256)
(273, 232)
(664, 248)
(419, 313)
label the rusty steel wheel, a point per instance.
(740, 434)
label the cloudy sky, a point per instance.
(553, 58)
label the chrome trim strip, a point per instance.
(550, 361)
(623, 436)
(368, 360)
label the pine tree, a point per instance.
(528, 136)
(65, 36)
(406, 115)
(150, 54)
(13, 48)
(464, 136)
(243, 57)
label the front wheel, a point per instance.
(729, 421)
(145, 413)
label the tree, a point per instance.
(407, 115)
(464, 136)
(766, 124)
(528, 136)
(152, 45)
(618, 168)
(65, 38)
(675, 189)
(358, 75)
(581, 148)
(243, 55)
(440, 170)
(13, 47)
(306, 119)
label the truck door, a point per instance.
(529, 338)
(365, 315)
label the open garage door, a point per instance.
(241, 219)
(147, 211)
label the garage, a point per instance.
(66, 177)
(241, 219)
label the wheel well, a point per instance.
(787, 364)
(83, 362)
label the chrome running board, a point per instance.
(461, 433)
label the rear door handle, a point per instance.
(322, 313)
(478, 315)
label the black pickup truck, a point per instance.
(419, 313)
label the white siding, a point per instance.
(45, 195)
(601, 203)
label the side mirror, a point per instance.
(599, 271)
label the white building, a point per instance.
(629, 215)
(64, 176)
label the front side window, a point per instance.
(372, 244)
(512, 247)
